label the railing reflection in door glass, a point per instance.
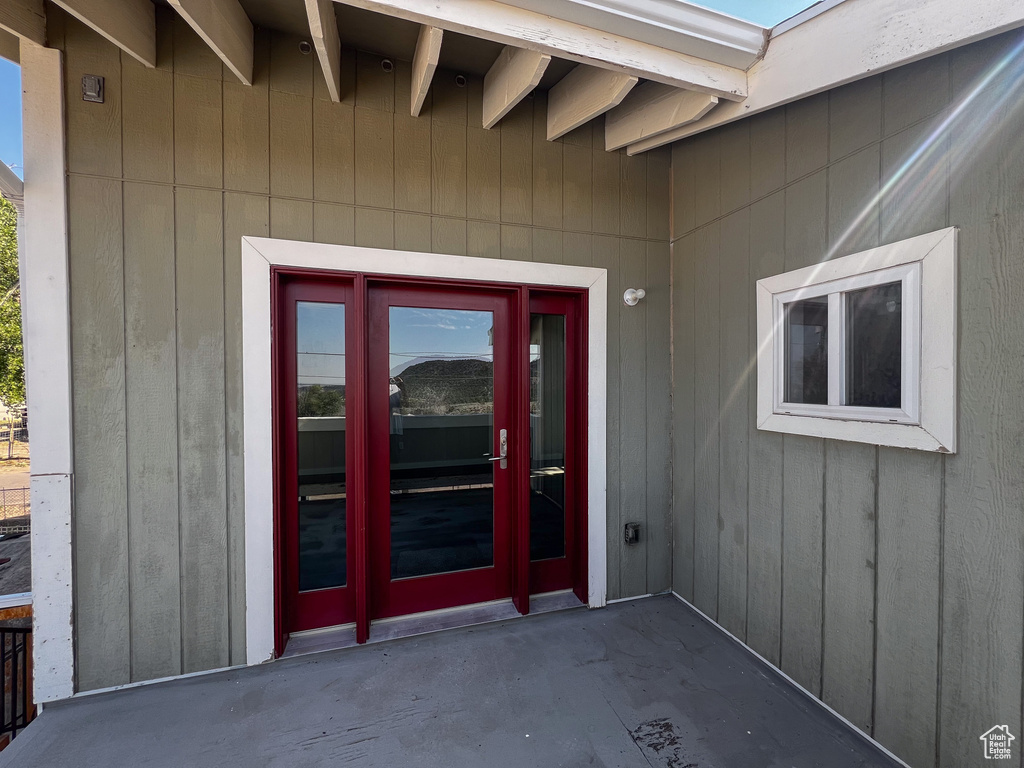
(16, 707)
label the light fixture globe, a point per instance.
(632, 296)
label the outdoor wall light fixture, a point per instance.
(632, 296)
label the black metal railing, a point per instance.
(16, 707)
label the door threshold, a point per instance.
(394, 628)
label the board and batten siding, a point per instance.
(166, 177)
(888, 582)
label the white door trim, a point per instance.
(259, 255)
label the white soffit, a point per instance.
(671, 24)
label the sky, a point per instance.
(767, 13)
(10, 115)
(415, 335)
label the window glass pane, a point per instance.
(874, 355)
(547, 436)
(806, 361)
(441, 428)
(320, 340)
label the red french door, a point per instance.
(314, 318)
(556, 493)
(430, 446)
(441, 446)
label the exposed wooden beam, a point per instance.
(10, 47)
(424, 62)
(128, 24)
(323, 28)
(510, 78)
(851, 41)
(567, 40)
(226, 28)
(651, 109)
(582, 95)
(24, 18)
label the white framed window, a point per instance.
(863, 347)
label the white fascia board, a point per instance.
(671, 24)
(851, 41)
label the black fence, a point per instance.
(16, 707)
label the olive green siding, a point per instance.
(888, 582)
(165, 178)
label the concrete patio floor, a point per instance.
(647, 683)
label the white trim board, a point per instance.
(258, 256)
(848, 42)
(46, 320)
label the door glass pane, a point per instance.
(874, 355)
(320, 337)
(441, 431)
(806, 353)
(547, 436)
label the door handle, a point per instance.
(502, 450)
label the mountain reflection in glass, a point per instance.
(320, 336)
(441, 402)
(806, 352)
(547, 436)
(874, 340)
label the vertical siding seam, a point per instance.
(782, 548)
(751, 367)
(824, 447)
(647, 363)
(718, 385)
(941, 607)
(693, 430)
(124, 341)
(874, 602)
(228, 559)
(824, 565)
(177, 360)
(782, 498)
(671, 372)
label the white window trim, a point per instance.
(909, 275)
(927, 419)
(259, 255)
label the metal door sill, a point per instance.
(394, 628)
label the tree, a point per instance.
(318, 401)
(12, 362)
